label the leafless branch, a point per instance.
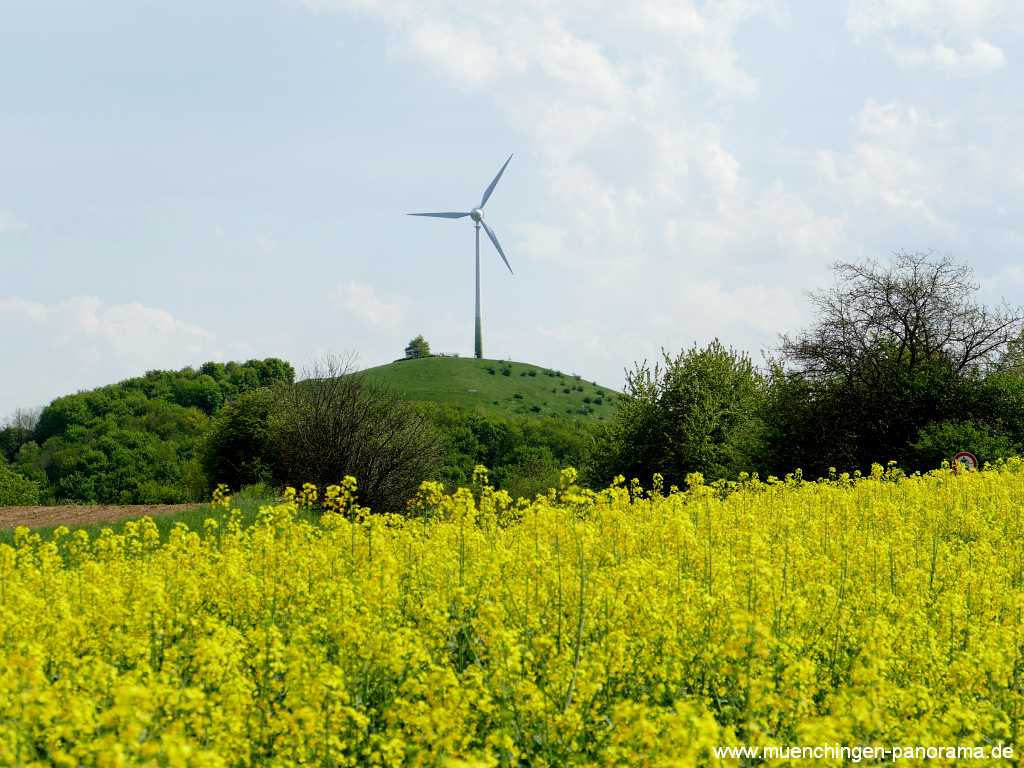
(918, 308)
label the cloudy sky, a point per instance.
(193, 180)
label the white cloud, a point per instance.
(490, 40)
(361, 301)
(462, 52)
(82, 342)
(911, 181)
(979, 57)
(948, 35)
(646, 204)
(663, 228)
(872, 16)
(889, 164)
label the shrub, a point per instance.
(939, 441)
(334, 423)
(254, 494)
(15, 490)
(235, 449)
(152, 492)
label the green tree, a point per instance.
(418, 347)
(895, 350)
(697, 412)
(202, 392)
(1013, 359)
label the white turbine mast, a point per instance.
(477, 215)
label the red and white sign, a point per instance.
(965, 460)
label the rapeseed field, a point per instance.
(626, 627)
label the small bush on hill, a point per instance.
(417, 348)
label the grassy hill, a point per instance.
(497, 387)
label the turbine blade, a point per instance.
(494, 239)
(444, 215)
(487, 192)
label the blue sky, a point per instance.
(190, 181)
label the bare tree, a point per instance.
(24, 419)
(16, 430)
(334, 422)
(919, 309)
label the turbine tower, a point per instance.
(477, 215)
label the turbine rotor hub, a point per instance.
(477, 215)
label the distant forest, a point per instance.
(133, 442)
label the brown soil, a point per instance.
(71, 514)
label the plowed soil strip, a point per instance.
(71, 514)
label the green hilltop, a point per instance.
(496, 388)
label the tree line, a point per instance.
(901, 362)
(133, 442)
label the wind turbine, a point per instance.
(477, 215)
